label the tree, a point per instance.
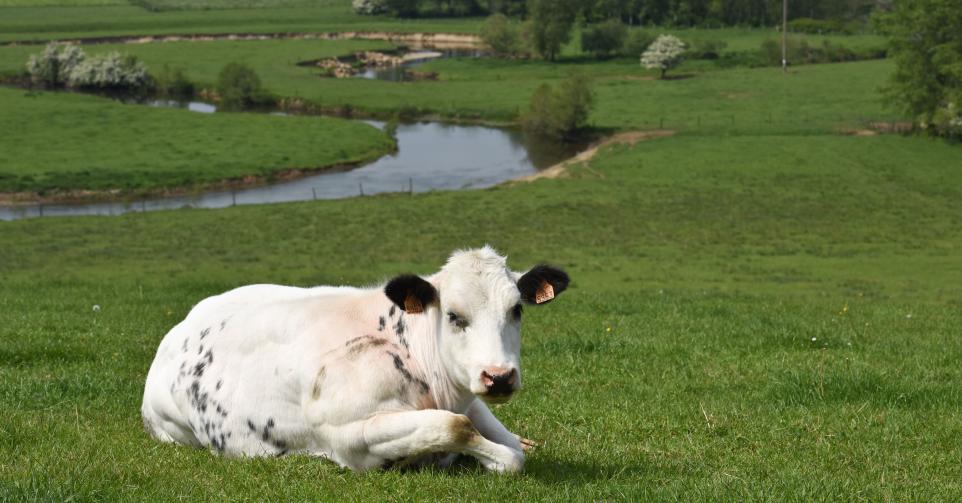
(663, 54)
(402, 8)
(239, 86)
(927, 44)
(559, 114)
(369, 7)
(52, 67)
(550, 25)
(500, 35)
(604, 39)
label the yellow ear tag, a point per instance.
(544, 294)
(412, 305)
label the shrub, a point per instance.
(240, 87)
(820, 26)
(173, 82)
(501, 36)
(109, 71)
(604, 39)
(559, 114)
(549, 25)
(637, 41)
(369, 7)
(663, 54)
(708, 49)
(52, 66)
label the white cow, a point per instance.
(375, 377)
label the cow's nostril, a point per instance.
(499, 380)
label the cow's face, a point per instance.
(478, 304)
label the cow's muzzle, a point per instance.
(498, 382)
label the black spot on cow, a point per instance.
(223, 323)
(381, 323)
(184, 348)
(209, 355)
(399, 365)
(267, 429)
(200, 349)
(390, 313)
(399, 330)
(250, 424)
(199, 369)
(204, 333)
(220, 382)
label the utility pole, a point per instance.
(785, 36)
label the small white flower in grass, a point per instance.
(96, 307)
(909, 316)
(814, 339)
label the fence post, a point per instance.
(233, 197)
(40, 207)
(360, 186)
(411, 186)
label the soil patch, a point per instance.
(627, 138)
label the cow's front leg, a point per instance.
(492, 429)
(401, 436)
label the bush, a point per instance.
(663, 54)
(604, 39)
(635, 44)
(52, 66)
(708, 49)
(109, 71)
(239, 87)
(173, 82)
(369, 7)
(501, 36)
(559, 114)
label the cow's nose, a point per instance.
(498, 380)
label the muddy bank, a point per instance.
(628, 138)
(78, 196)
(415, 39)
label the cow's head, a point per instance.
(477, 304)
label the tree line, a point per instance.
(707, 13)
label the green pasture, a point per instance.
(62, 141)
(69, 22)
(770, 317)
(810, 97)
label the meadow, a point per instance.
(62, 141)
(762, 308)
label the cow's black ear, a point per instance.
(542, 283)
(411, 293)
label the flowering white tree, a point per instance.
(52, 67)
(369, 7)
(663, 54)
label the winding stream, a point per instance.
(431, 156)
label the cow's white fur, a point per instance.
(270, 370)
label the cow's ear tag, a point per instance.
(544, 293)
(412, 305)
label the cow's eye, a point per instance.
(516, 311)
(458, 321)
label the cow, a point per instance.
(395, 375)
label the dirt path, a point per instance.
(433, 40)
(628, 138)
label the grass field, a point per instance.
(761, 308)
(738, 327)
(60, 141)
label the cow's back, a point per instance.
(225, 376)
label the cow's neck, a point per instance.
(418, 334)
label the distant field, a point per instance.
(50, 23)
(751, 318)
(59, 141)
(811, 97)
